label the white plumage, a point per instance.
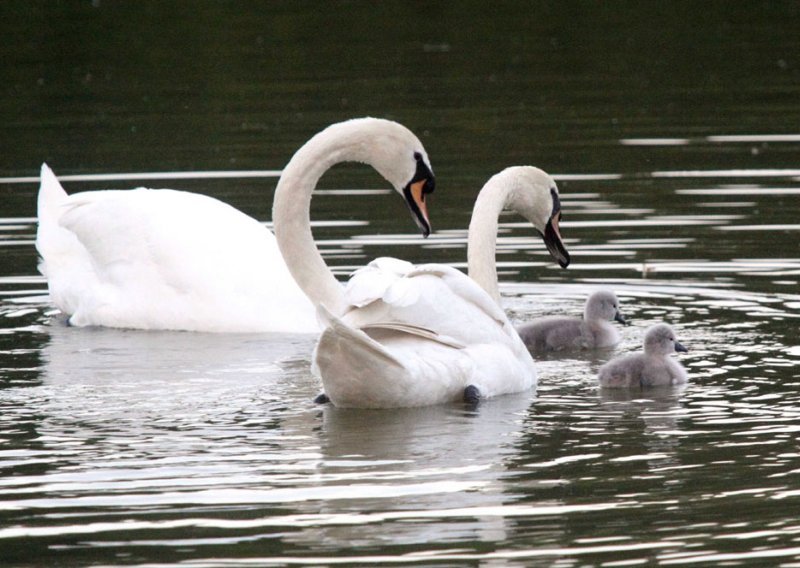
(164, 259)
(422, 340)
(419, 335)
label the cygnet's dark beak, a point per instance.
(680, 348)
(620, 318)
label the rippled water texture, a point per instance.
(674, 134)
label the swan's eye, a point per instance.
(556, 203)
(423, 172)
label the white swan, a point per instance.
(165, 259)
(593, 331)
(419, 335)
(653, 368)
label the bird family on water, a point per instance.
(396, 334)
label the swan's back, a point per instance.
(416, 336)
(163, 259)
(431, 296)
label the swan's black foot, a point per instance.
(322, 398)
(472, 395)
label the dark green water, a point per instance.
(674, 132)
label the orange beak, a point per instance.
(418, 195)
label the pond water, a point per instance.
(674, 134)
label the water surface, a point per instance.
(675, 147)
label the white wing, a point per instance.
(415, 336)
(432, 296)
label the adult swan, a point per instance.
(166, 259)
(418, 335)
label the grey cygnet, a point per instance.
(652, 368)
(594, 331)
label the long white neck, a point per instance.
(482, 239)
(292, 223)
(371, 141)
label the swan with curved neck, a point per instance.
(166, 259)
(388, 147)
(428, 334)
(527, 191)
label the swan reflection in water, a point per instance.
(114, 377)
(654, 417)
(206, 425)
(413, 466)
(191, 424)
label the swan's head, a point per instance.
(661, 340)
(603, 305)
(397, 154)
(534, 195)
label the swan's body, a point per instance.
(653, 368)
(404, 335)
(420, 337)
(164, 259)
(593, 331)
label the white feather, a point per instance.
(414, 336)
(164, 259)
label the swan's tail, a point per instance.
(62, 260)
(389, 365)
(49, 236)
(356, 370)
(350, 339)
(51, 197)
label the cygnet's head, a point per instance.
(603, 305)
(661, 340)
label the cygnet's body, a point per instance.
(594, 331)
(653, 368)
